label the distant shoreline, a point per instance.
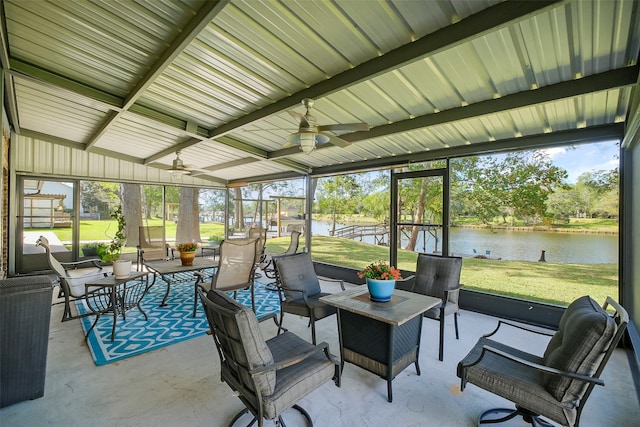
(536, 228)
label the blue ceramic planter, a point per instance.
(380, 290)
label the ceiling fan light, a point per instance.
(177, 174)
(307, 142)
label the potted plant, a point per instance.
(187, 252)
(381, 280)
(90, 249)
(215, 239)
(112, 252)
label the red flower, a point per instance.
(380, 270)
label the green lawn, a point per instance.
(103, 230)
(549, 282)
(538, 281)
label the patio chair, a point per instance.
(437, 276)
(299, 290)
(557, 384)
(261, 235)
(267, 263)
(152, 244)
(271, 376)
(72, 277)
(235, 271)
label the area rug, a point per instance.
(166, 325)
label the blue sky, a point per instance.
(585, 158)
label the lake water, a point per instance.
(518, 245)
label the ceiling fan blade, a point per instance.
(301, 119)
(159, 165)
(344, 127)
(337, 141)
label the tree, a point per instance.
(516, 185)
(338, 195)
(238, 211)
(99, 197)
(188, 229)
(132, 211)
(604, 188)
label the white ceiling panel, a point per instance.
(138, 81)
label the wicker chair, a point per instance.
(269, 377)
(299, 290)
(72, 277)
(439, 277)
(557, 384)
(236, 270)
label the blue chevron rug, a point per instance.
(166, 325)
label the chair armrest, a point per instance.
(513, 325)
(324, 279)
(95, 262)
(201, 277)
(536, 366)
(406, 284)
(294, 360)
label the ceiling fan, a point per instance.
(310, 135)
(178, 168)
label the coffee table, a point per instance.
(381, 337)
(111, 295)
(173, 271)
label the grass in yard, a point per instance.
(553, 283)
(538, 281)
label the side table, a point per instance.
(383, 338)
(111, 295)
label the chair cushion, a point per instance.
(436, 274)
(246, 329)
(77, 278)
(584, 334)
(298, 380)
(297, 275)
(300, 308)
(513, 381)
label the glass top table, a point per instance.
(172, 271)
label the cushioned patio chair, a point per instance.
(299, 289)
(235, 271)
(72, 277)
(557, 384)
(437, 276)
(271, 376)
(267, 262)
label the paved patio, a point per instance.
(180, 386)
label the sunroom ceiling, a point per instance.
(214, 80)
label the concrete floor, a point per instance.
(180, 385)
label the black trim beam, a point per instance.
(205, 15)
(474, 26)
(576, 136)
(608, 80)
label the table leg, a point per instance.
(92, 326)
(392, 330)
(115, 312)
(340, 343)
(166, 295)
